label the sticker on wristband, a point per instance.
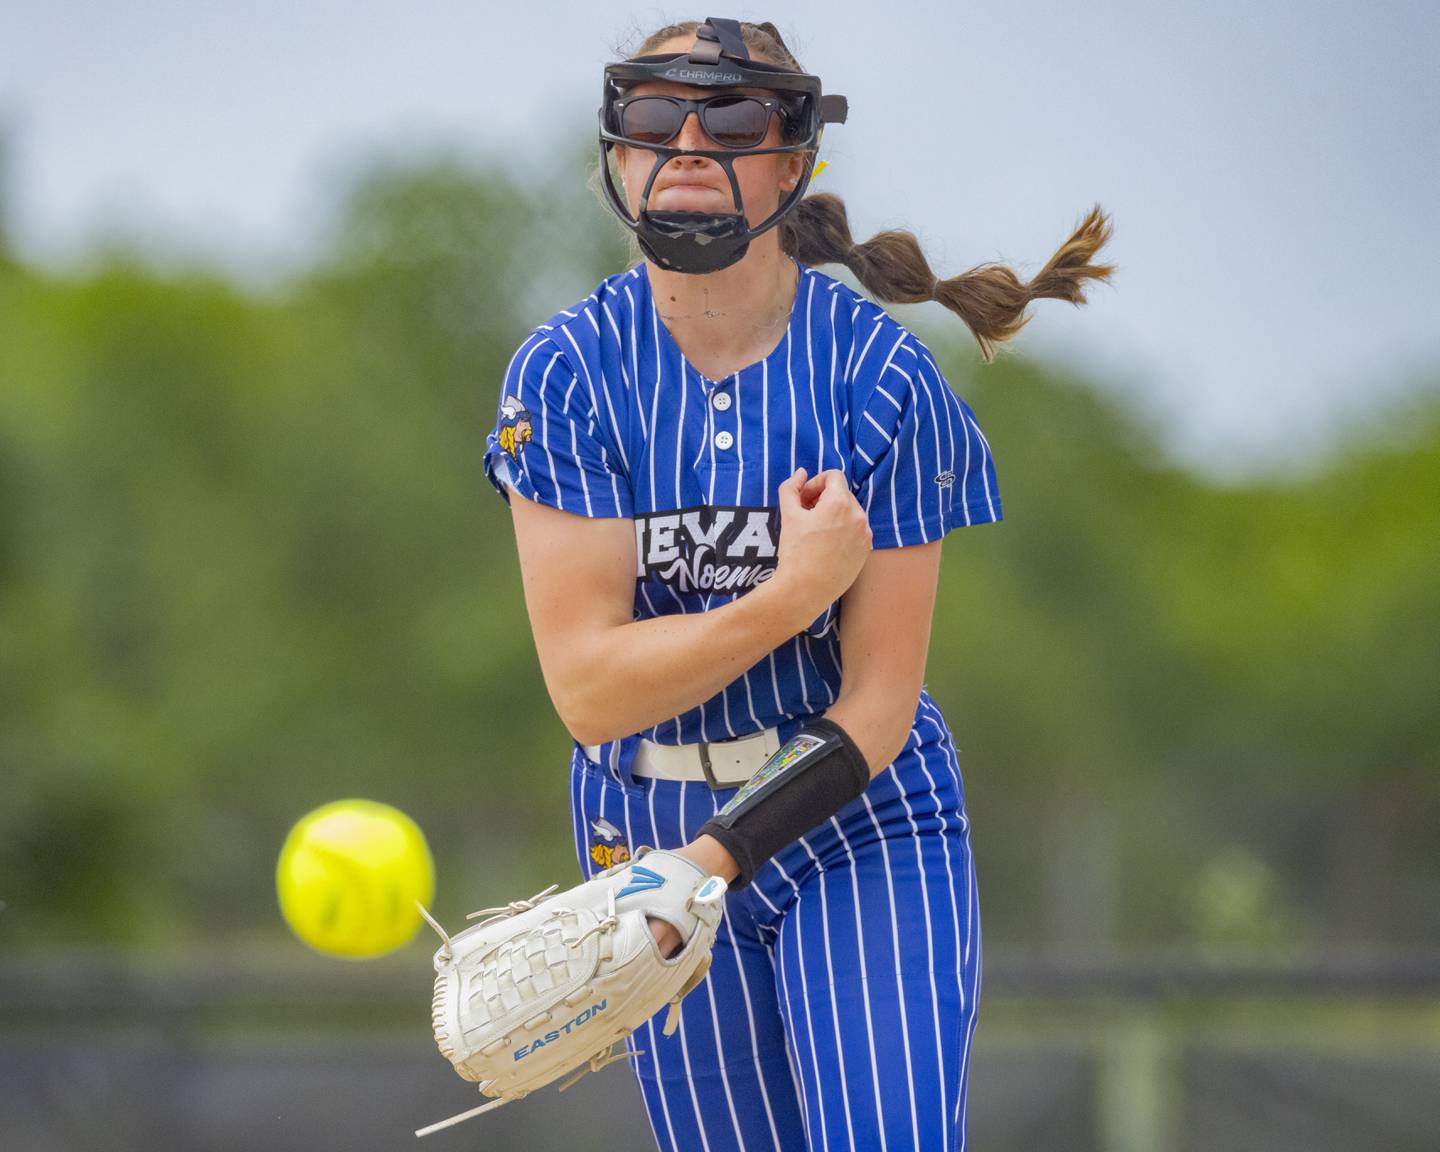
(799, 746)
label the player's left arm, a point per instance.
(885, 620)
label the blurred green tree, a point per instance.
(249, 564)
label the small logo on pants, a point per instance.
(607, 845)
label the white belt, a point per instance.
(723, 763)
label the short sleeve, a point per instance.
(547, 443)
(921, 465)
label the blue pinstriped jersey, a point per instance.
(600, 414)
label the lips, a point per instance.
(687, 184)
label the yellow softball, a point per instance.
(349, 875)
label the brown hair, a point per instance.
(891, 266)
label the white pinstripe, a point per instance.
(749, 1011)
(810, 359)
(791, 1060)
(650, 1024)
(709, 986)
(919, 489)
(681, 1031)
(875, 331)
(835, 404)
(940, 502)
(925, 891)
(635, 371)
(830, 975)
(584, 484)
(545, 424)
(594, 400)
(971, 923)
(793, 422)
(984, 451)
(899, 964)
(950, 889)
(804, 1001)
(765, 424)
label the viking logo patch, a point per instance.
(515, 430)
(607, 844)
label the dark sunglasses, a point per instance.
(730, 121)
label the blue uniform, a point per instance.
(841, 1002)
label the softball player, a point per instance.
(736, 474)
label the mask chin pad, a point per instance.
(702, 227)
(694, 241)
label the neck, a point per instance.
(733, 311)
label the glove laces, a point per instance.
(610, 921)
(503, 911)
(514, 908)
(601, 1059)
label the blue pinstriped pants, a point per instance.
(841, 1001)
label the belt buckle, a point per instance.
(706, 767)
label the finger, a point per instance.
(835, 485)
(790, 490)
(811, 489)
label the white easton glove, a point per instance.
(546, 986)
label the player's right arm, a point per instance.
(610, 675)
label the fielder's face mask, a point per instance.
(698, 242)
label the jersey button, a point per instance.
(723, 439)
(722, 400)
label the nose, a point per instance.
(691, 134)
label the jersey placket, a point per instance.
(720, 455)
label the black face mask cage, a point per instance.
(699, 242)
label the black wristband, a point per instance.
(814, 774)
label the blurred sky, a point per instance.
(1272, 167)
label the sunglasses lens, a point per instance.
(649, 119)
(730, 121)
(736, 121)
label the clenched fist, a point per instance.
(824, 538)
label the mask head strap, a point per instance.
(718, 37)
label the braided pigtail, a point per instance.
(891, 267)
